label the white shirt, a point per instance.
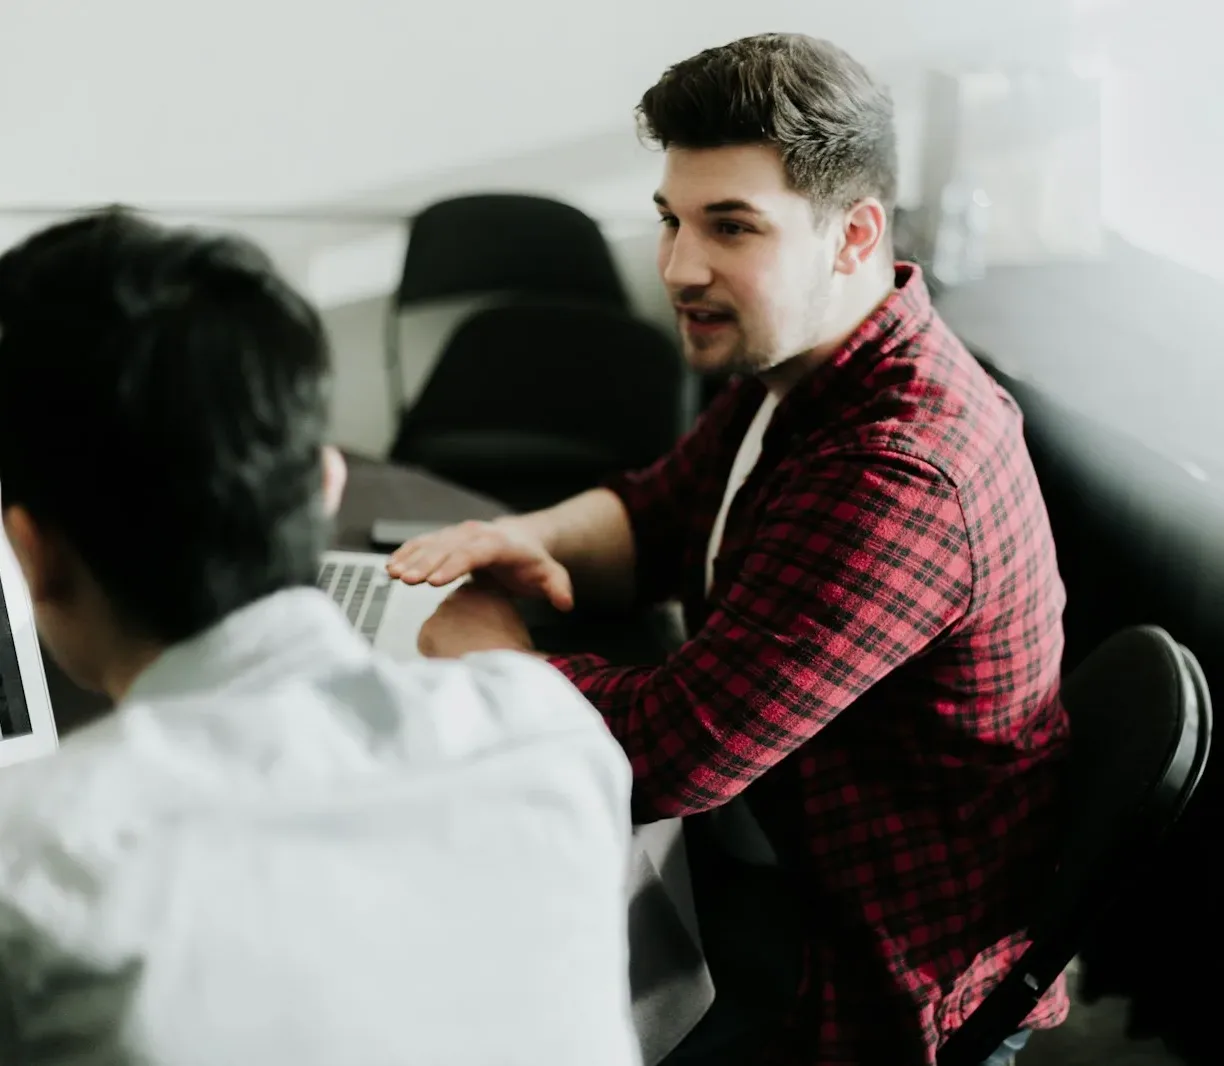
(745, 459)
(283, 850)
(734, 823)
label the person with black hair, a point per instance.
(278, 848)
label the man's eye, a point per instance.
(731, 229)
(670, 221)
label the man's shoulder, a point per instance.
(35, 790)
(519, 693)
(377, 719)
(63, 826)
(495, 705)
(931, 400)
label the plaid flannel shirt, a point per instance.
(879, 658)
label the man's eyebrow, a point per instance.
(720, 207)
(723, 207)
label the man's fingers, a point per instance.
(558, 586)
(451, 567)
(408, 555)
(417, 565)
(442, 561)
(403, 561)
(446, 556)
(404, 552)
(480, 550)
(416, 559)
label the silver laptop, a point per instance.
(388, 613)
(27, 725)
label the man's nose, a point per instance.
(685, 263)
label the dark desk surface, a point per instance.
(670, 983)
(380, 490)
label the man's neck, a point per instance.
(860, 304)
(113, 680)
(128, 661)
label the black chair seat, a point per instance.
(1140, 719)
(1141, 541)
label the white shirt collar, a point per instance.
(286, 632)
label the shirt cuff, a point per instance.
(630, 488)
(576, 666)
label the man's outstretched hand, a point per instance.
(499, 553)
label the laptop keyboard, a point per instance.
(361, 590)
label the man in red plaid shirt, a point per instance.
(869, 695)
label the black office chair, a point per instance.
(1140, 733)
(511, 243)
(530, 403)
(1141, 541)
(509, 246)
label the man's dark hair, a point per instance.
(163, 400)
(832, 124)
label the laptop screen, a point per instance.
(27, 726)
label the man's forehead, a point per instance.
(740, 178)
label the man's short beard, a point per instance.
(748, 363)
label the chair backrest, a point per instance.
(1140, 735)
(538, 391)
(508, 243)
(1140, 540)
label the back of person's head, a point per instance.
(830, 122)
(163, 399)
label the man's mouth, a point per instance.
(703, 319)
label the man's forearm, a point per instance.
(590, 535)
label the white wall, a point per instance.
(270, 106)
(1163, 123)
(279, 102)
(288, 105)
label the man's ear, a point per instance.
(863, 234)
(335, 476)
(40, 553)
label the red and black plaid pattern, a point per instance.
(879, 659)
